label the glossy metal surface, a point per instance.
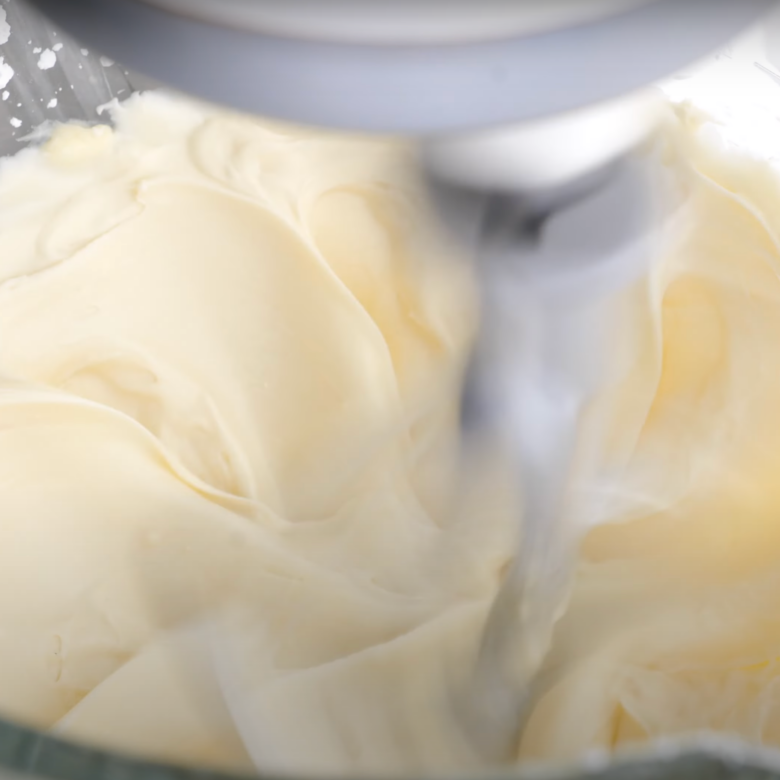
(75, 87)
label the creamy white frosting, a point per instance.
(229, 376)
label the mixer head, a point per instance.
(423, 67)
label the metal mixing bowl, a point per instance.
(74, 88)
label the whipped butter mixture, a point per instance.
(234, 529)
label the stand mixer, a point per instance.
(529, 115)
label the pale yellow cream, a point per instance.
(230, 357)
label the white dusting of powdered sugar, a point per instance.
(57, 46)
(37, 50)
(6, 95)
(48, 59)
(52, 103)
(106, 62)
(15, 122)
(6, 73)
(5, 28)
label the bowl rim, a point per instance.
(25, 751)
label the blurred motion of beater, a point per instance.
(531, 117)
(551, 259)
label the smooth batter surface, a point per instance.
(229, 372)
